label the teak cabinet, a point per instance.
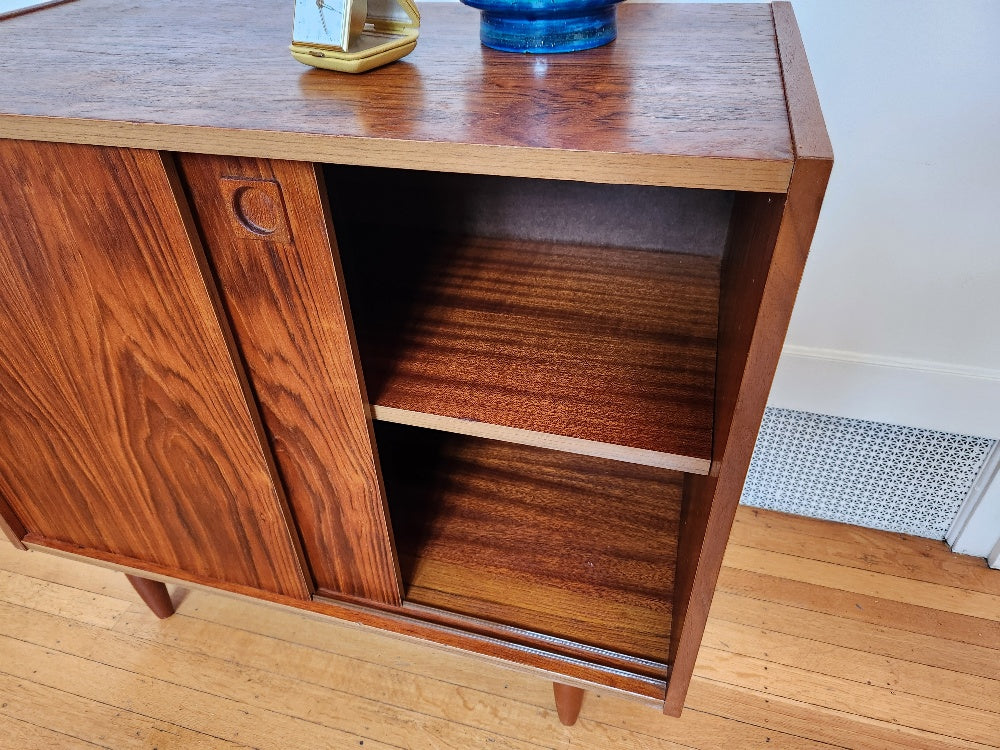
(473, 348)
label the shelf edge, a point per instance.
(548, 440)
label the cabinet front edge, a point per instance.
(632, 168)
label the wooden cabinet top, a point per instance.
(689, 94)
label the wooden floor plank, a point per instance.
(348, 680)
(871, 609)
(903, 555)
(252, 688)
(838, 728)
(793, 639)
(94, 609)
(931, 595)
(94, 724)
(874, 639)
(855, 665)
(198, 710)
(868, 701)
(390, 671)
(16, 734)
(66, 572)
(407, 657)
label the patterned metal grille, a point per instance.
(871, 474)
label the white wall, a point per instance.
(897, 317)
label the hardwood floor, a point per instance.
(820, 635)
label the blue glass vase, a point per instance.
(546, 25)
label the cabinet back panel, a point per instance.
(124, 423)
(636, 216)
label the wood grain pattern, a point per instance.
(506, 533)
(124, 425)
(606, 345)
(753, 320)
(877, 585)
(705, 111)
(870, 610)
(830, 623)
(285, 301)
(769, 242)
(790, 650)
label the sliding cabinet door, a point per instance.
(126, 431)
(266, 227)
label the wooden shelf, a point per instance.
(600, 351)
(574, 547)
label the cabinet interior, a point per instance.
(575, 316)
(555, 326)
(573, 547)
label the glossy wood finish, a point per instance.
(611, 348)
(282, 288)
(509, 534)
(769, 243)
(124, 424)
(688, 95)
(154, 594)
(569, 701)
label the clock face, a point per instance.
(320, 22)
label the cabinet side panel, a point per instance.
(265, 225)
(757, 296)
(707, 512)
(124, 425)
(769, 241)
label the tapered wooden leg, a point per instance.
(154, 594)
(568, 702)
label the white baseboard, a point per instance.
(916, 393)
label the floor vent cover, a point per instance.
(871, 474)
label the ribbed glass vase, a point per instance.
(542, 26)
